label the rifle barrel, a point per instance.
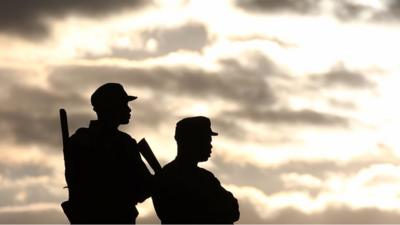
(64, 127)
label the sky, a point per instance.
(303, 94)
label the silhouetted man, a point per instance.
(185, 193)
(105, 174)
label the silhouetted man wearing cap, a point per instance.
(185, 193)
(105, 174)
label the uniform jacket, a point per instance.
(192, 195)
(105, 175)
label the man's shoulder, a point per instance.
(80, 139)
(168, 172)
(170, 167)
(126, 137)
(80, 133)
(205, 172)
(207, 177)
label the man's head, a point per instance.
(110, 102)
(193, 136)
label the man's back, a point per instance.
(105, 176)
(192, 195)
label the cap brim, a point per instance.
(131, 98)
(214, 133)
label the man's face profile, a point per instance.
(118, 113)
(123, 113)
(202, 147)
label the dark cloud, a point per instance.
(22, 128)
(347, 10)
(343, 10)
(394, 7)
(28, 19)
(232, 127)
(344, 78)
(389, 14)
(246, 85)
(189, 37)
(151, 112)
(30, 115)
(288, 116)
(238, 84)
(228, 127)
(296, 6)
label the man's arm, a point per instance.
(225, 205)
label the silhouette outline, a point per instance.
(185, 193)
(105, 174)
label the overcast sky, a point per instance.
(303, 93)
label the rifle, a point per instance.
(66, 206)
(64, 129)
(148, 154)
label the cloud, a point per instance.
(29, 19)
(235, 83)
(389, 13)
(298, 207)
(296, 6)
(19, 191)
(31, 115)
(394, 7)
(29, 194)
(344, 10)
(24, 215)
(245, 174)
(348, 10)
(160, 41)
(248, 86)
(24, 169)
(375, 168)
(9, 76)
(343, 77)
(368, 11)
(334, 215)
(346, 104)
(288, 116)
(229, 127)
(243, 85)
